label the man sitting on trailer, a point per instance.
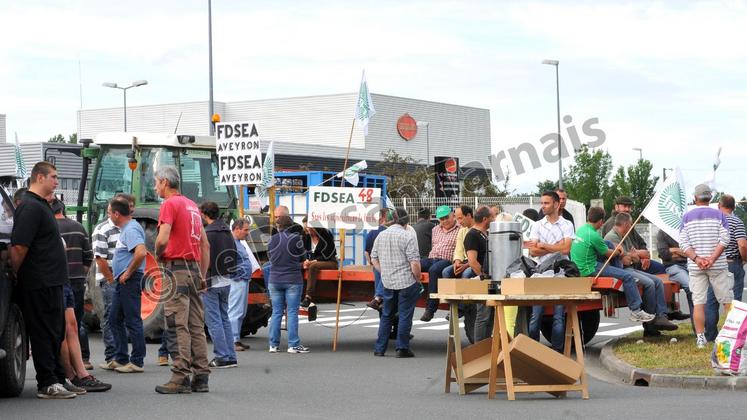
(653, 288)
(442, 250)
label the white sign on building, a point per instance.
(344, 207)
(239, 154)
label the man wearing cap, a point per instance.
(444, 242)
(703, 238)
(624, 204)
(395, 255)
(736, 253)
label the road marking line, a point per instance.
(419, 322)
(606, 324)
(346, 310)
(324, 319)
(620, 331)
(359, 322)
(440, 327)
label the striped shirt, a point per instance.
(105, 237)
(444, 242)
(551, 233)
(77, 248)
(736, 232)
(703, 228)
(396, 248)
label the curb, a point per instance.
(642, 377)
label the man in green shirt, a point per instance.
(586, 249)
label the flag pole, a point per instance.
(347, 152)
(339, 288)
(638, 219)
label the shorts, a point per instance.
(722, 282)
(68, 296)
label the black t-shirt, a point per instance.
(475, 240)
(35, 227)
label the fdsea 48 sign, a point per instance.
(239, 155)
(344, 208)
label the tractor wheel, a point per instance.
(257, 315)
(13, 365)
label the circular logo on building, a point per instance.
(451, 166)
(407, 127)
(671, 205)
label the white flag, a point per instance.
(364, 107)
(668, 205)
(20, 164)
(351, 174)
(268, 176)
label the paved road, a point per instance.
(352, 384)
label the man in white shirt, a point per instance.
(550, 236)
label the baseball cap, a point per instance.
(702, 190)
(442, 211)
(624, 200)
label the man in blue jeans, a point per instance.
(128, 267)
(104, 240)
(395, 254)
(588, 246)
(222, 264)
(444, 237)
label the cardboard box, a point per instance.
(537, 364)
(546, 286)
(463, 286)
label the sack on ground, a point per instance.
(727, 357)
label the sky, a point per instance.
(665, 77)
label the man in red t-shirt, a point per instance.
(183, 248)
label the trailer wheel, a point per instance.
(588, 321)
(13, 365)
(257, 315)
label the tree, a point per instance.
(588, 177)
(407, 178)
(641, 185)
(57, 139)
(619, 186)
(546, 185)
(73, 138)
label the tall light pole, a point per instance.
(640, 152)
(210, 66)
(136, 83)
(427, 126)
(560, 140)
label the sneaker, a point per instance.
(404, 353)
(87, 364)
(298, 349)
(427, 316)
(650, 331)
(700, 341)
(163, 360)
(662, 323)
(72, 388)
(374, 304)
(110, 365)
(641, 316)
(130, 368)
(55, 392)
(91, 384)
(273, 349)
(239, 346)
(175, 388)
(306, 301)
(222, 364)
(311, 311)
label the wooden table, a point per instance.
(498, 350)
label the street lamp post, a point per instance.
(124, 91)
(640, 152)
(427, 125)
(560, 141)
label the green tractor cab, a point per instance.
(125, 163)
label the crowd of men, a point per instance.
(707, 263)
(207, 264)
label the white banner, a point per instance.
(344, 207)
(526, 224)
(668, 205)
(239, 154)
